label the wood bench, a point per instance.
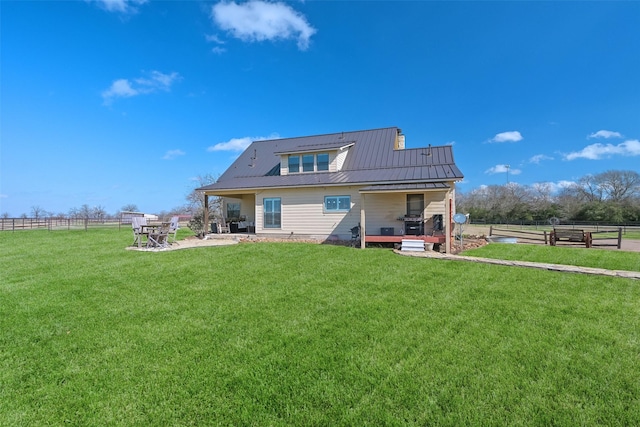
(570, 235)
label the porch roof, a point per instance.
(420, 186)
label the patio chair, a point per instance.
(136, 224)
(159, 236)
(223, 226)
(355, 235)
(174, 226)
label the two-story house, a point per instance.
(321, 186)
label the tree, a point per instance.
(618, 186)
(195, 205)
(37, 212)
(99, 213)
(129, 208)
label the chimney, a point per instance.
(399, 145)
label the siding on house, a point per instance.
(303, 212)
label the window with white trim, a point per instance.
(272, 211)
(337, 203)
(294, 164)
(301, 163)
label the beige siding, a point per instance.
(284, 165)
(303, 212)
(384, 209)
(340, 158)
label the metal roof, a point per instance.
(371, 160)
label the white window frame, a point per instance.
(315, 162)
(264, 212)
(337, 202)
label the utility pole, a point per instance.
(507, 167)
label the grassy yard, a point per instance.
(302, 334)
(597, 258)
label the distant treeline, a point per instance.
(612, 197)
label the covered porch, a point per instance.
(233, 212)
(392, 212)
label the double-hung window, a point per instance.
(322, 161)
(337, 203)
(294, 164)
(272, 210)
(307, 162)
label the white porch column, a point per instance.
(362, 221)
(448, 222)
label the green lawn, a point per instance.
(597, 258)
(302, 334)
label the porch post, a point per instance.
(363, 233)
(206, 214)
(448, 222)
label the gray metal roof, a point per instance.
(371, 160)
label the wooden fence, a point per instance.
(17, 224)
(599, 237)
(524, 236)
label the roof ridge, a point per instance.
(327, 134)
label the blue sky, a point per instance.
(108, 103)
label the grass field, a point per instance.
(303, 334)
(597, 258)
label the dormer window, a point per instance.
(322, 163)
(307, 162)
(294, 164)
(310, 162)
(310, 158)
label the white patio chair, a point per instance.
(174, 226)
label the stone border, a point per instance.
(542, 266)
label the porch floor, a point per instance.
(398, 239)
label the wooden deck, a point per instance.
(398, 239)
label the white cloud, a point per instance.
(605, 134)
(4, 196)
(218, 50)
(121, 6)
(512, 136)
(503, 169)
(539, 158)
(597, 151)
(125, 88)
(258, 20)
(214, 39)
(240, 144)
(172, 154)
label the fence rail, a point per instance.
(546, 225)
(17, 224)
(530, 236)
(613, 236)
